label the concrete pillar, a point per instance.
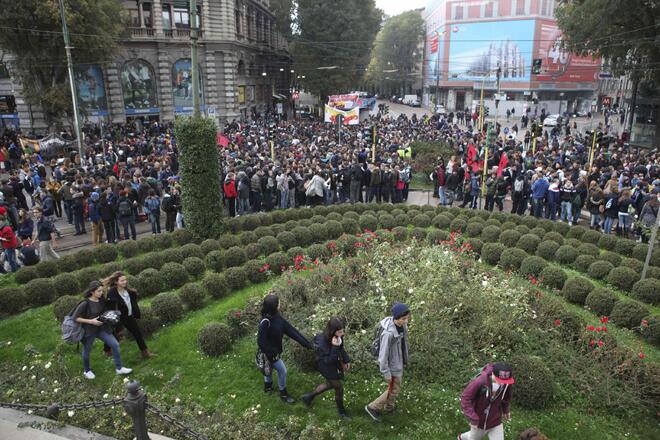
(164, 77)
(115, 97)
(227, 89)
(157, 18)
(451, 100)
(210, 88)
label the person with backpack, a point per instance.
(45, 235)
(566, 195)
(486, 400)
(95, 218)
(169, 207)
(125, 299)
(152, 208)
(88, 313)
(78, 209)
(332, 362)
(229, 188)
(595, 204)
(272, 329)
(624, 202)
(391, 346)
(126, 215)
(8, 239)
(611, 209)
(519, 194)
(107, 212)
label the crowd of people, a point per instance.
(130, 174)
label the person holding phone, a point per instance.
(87, 313)
(332, 362)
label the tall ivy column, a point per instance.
(200, 182)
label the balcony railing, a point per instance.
(180, 33)
(141, 32)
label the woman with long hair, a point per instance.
(88, 313)
(272, 329)
(121, 297)
(332, 362)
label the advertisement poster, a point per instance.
(345, 105)
(477, 49)
(182, 85)
(90, 86)
(139, 88)
(558, 64)
(250, 93)
(241, 94)
(436, 50)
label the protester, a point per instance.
(392, 359)
(25, 229)
(272, 329)
(152, 208)
(8, 239)
(486, 400)
(332, 363)
(123, 298)
(88, 313)
(95, 218)
(45, 236)
(27, 255)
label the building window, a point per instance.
(134, 18)
(146, 14)
(249, 23)
(237, 14)
(181, 18)
(167, 17)
(488, 10)
(458, 12)
(241, 68)
(519, 7)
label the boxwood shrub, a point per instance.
(68, 263)
(194, 266)
(88, 274)
(546, 224)
(39, 292)
(319, 232)
(235, 256)
(66, 284)
(332, 216)
(509, 237)
(512, 258)
(547, 249)
(421, 221)
(529, 221)
(352, 215)
(151, 282)
(628, 313)
(566, 254)
(146, 244)
(400, 233)
(529, 243)
(334, 229)
(624, 246)
(538, 231)
(576, 290)
(47, 269)
(535, 386)
(64, 305)
(639, 251)
(193, 296)
(268, 245)
(599, 269)
(303, 236)
(236, 278)
(509, 225)
(418, 234)
(491, 233)
(491, 252)
(473, 229)
(522, 229)
(458, 225)
(154, 260)
(215, 260)
(286, 239)
(249, 222)
(256, 271)
(554, 236)
(576, 232)
(582, 262)
(435, 236)
(228, 240)
(163, 241)
(294, 252)
(172, 255)
(633, 264)
(263, 231)
(369, 222)
(252, 251)
(532, 266)
(601, 301)
(192, 250)
(441, 221)
(317, 251)
(386, 221)
(622, 277)
(562, 228)
(105, 253)
(214, 339)
(168, 307)
(215, 285)
(493, 222)
(611, 257)
(588, 249)
(647, 290)
(86, 257)
(26, 274)
(279, 262)
(12, 300)
(476, 245)
(607, 242)
(174, 275)
(651, 331)
(128, 248)
(208, 245)
(553, 277)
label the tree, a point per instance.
(200, 178)
(624, 33)
(396, 52)
(283, 11)
(32, 32)
(338, 35)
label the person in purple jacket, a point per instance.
(485, 402)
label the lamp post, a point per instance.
(194, 70)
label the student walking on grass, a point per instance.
(392, 358)
(88, 313)
(272, 329)
(485, 402)
(332, 363)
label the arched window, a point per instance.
(138, 86)
(241, 67)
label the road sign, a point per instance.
(210, 110)
(506, 130)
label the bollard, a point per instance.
(135, 405)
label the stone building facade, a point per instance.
(243, 61)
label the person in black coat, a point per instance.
(332, 362)
(123, 298)
(272, 329)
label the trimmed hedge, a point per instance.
(582, 262)
(168, 307)
(599, 269)
(215, 285)
(12, 300)
(255, 270)
(236, 278)
(105, 253)
(64, 305)
(215, 260)
(208, 245)
(47, 269)
(533, 265)
(651, 331)
(194, 266)
(529, 243)
(151, 282)
(647, 290)
(566, 254)
(66, 284)
(628, 313)
(623, 277)
(214, 339)
(607, 242)
(39, 292)
(512, 258)
(591, 236)
(193, 296)
(588, 249)
(440, 221)
(610, 256)
(268, 245)
(491, 252)
(553, 277)
(554, 236)
(576, 289)
(547, 249)
(474, 229)
(491, 233)
(509, 237)
(235, 256)
(174, 275)
(601, 301)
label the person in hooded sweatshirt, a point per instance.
(486, 400)
(392, 358)
(552, 201)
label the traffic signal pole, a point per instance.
(194, 68)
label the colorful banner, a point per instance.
(435, 56)
(139, 87)
(557, 64)
(477, 49)
(182, 85)
(91, 90)
(241, 94)
(345, 105)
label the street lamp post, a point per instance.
(74, 94)
(194, 70)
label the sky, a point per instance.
(394, 7)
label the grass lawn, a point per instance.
(232, 382)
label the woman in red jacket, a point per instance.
(230, 193)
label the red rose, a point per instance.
(601, 343)
(641, 355)
(591, 328)
(604, 319)
(557, 322)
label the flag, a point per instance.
(472, 159)
(222, 140)
(504, 161)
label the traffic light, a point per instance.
(536, 66)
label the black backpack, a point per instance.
(125, 209)
(375, 343)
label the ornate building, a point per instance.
(244, 66)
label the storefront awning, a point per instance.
(280, 97)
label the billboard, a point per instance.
(478, 48)
(346, 105)
(182, 86)
(91, 90)
(434, 58)
(558, 65)
(139, 88)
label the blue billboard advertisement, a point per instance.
(476, 50)
(435, 58)
(182, 87)
(91, 90)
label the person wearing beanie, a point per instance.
(392, 358)
(95, 218)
